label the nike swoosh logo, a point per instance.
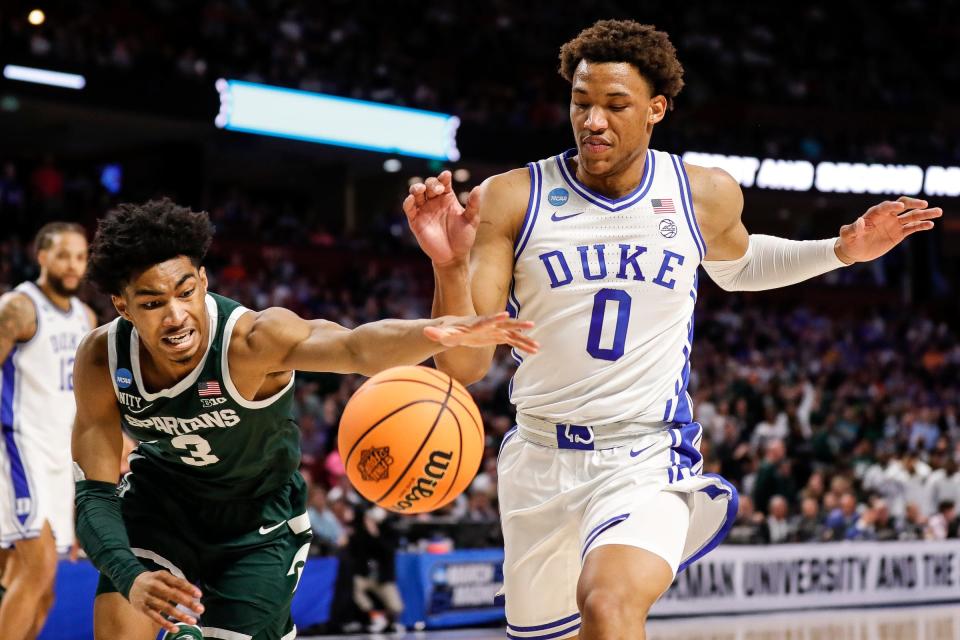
(634, 454)
(265, 530)
(557, 218)
(138, 411)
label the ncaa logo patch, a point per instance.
(124, 378)
(558, 197)
(668, 228)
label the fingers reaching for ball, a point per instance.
(484, 331)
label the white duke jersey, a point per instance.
(36, 405)
(611, 285)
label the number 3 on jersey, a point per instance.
(601, 300)
(198, 448)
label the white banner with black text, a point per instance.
(740, 579)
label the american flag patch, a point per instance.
(663, 205)
(208, 389)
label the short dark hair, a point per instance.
(134, 237)
(647, 49)
(44, 238)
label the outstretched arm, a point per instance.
(282, 341)
(739, 261)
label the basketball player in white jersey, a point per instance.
(41, 324)
(602, 494)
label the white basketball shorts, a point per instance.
(33, 491)
(558, 503)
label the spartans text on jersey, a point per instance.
(178, 426)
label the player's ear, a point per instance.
(657, 109)
(121, 306)
(203, 278)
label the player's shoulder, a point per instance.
(18, 314)
(504, 198)
(509, 181)
(710, 181)
(262, 339)
(717, 197)
(257, 331)
(94, 349)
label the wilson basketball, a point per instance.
(411, 439)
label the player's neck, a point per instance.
(618, 183)
(62, 302)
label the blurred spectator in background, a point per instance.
(373, 547)
(328, 532)
(808, 526)
(779, 527)
(774, 475)
(749, 526)
(884, 525)
(943, 524)
(914, 524)
(864, 525)
(843, 517)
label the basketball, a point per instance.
(411, 439)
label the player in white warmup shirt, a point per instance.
(41, 324)
(602, 495)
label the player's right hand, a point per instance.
(485, 331)
(445, 229)
(156, 594)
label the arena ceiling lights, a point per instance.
(315, 117)
(44, 76)
(833, 177)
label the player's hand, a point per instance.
(156, 594)
(485, 331)
(883, 227)
(74, 551)
(445, 229)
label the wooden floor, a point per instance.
(940, 622)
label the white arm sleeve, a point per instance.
(772, 262)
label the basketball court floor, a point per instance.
(939, 622)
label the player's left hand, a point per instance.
(484, 331)
(444, 228)
(883, 227)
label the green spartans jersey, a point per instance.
(201, 438)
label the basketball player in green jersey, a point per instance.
(213, 497)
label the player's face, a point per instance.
(166, 303)
(612, 110)
(64, 262)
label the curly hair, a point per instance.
(647, 49)
(134, 237)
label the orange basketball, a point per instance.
(411, 439)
